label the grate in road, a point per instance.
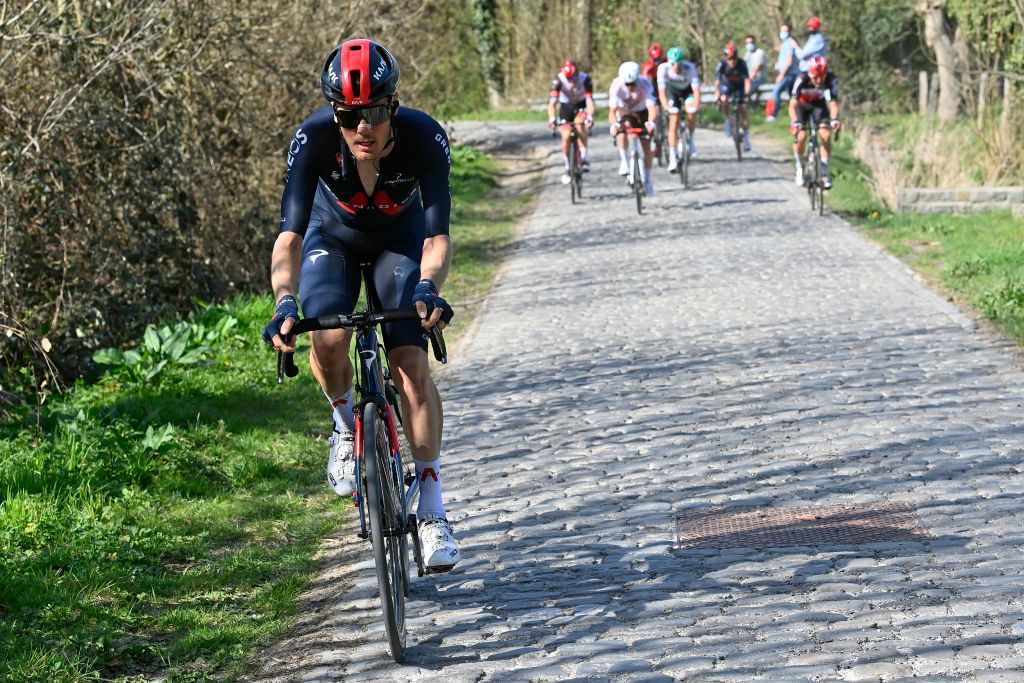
(716, 528)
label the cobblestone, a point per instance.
(729, 348)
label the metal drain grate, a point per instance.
(716, 528)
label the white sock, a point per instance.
(583, 152)
(429, 474)
(673, 154)
(565, 157)
(824, 167)
(341, 408)
(622, 155)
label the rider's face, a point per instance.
(818, 78)
(367, 142)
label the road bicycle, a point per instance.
(733, 121)
(684, 145)
(812, 169)
(637, 176)
(575, 158)
(386, 486)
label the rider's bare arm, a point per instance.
(284, 264)
(435, 262)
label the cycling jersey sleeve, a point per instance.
(613, 95)
(556, 87)
(435, 190)
(651, 98)
(719, 70)
(588, 87)
(300, 182)
(798, 84)
(834, 88)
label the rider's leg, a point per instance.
(622, 143)
(799, 147)
(581, 136)
(673, 140)
(691, 124)
(728, 123)
(745, 123)
(825, 136)
(564, 130)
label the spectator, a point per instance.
(755, 65)
(816, 46)
(786, 65)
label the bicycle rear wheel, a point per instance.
(638, 183)
(387, 528)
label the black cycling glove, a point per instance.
(286, 308)
(426, 291)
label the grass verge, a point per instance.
(976, 259)
(162, 521)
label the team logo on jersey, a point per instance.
(398, 179)
(315, 254)
(335, 175)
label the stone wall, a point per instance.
(962, 200)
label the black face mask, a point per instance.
(375, 115)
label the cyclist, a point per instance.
(631, 104)
(679, 88)
(573, 91)
(649, 70)
(815, 100)
(367, 180)
(731, 76)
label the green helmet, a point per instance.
(675, 54)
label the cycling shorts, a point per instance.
(677, 97)
(728, 93)
(330, 277)
(634, 119)
(567, 110)
(813, 112)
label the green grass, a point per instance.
(165, 529)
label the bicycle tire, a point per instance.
(381, 493)
(577, 177)
(819, 185)
(684, 160)
(809, 179)
(638, 184)
(737, 136)
(573, 153)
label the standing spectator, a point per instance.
(816, 46)
(755, 65)
(786, 65)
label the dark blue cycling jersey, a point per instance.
(411, 192)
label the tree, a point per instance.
(940, 39)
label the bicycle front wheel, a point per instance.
(819, 185)
(684, 157)
(387, 528)
(737, 137)
(638, 184)
(574, 153)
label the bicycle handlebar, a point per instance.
(286, 362)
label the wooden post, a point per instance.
(922, 93)
(982, 98)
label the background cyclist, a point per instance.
(573, 92)
(679, 90)
(815, 100)
(731, 78)
(367, 180)
(631, 104)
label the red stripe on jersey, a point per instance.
(358, 201)
(386, 204)
(356, 57)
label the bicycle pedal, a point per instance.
(443, 569)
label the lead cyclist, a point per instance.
(367, 181)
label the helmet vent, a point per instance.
(355, 77)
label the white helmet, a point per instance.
(629, 72)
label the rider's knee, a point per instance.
(412, 372)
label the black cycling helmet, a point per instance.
(359, 72)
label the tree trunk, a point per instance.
(938, 38)
(583, 53)
(486, 26)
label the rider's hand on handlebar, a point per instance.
(836, 124)
(551, 122)
(649, 125)
(589, 121)
(794, 127)
(615, 129)
(432, 307)
(285, 316)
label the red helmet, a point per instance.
(569, 68)
(359, 72)
(729, 51)
(817, 66)
(814, 23)
(655, 51)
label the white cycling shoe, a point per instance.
(438, 545)
(566, 178)
(341, 466)
(623, 167)
(799, 178)
(672, 165)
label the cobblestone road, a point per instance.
(729, 352)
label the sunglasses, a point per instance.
(375, 115)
